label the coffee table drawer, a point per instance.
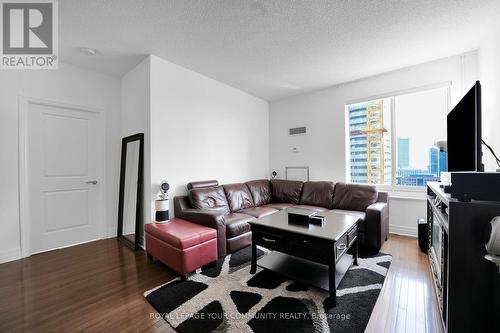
(270, 241)
(309, 248)
(341, 246)
(352, 234)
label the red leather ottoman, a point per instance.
(181, 245)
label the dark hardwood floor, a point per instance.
(95, 287)
(99, 287)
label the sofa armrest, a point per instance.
(383, 197)
(376, 225)
(377, 207)
(207, 218)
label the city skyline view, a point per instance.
(371, 130)
(410, 176)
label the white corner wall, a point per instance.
(323, 149)
(68, 84)
(489, 74)
(203, 129)
(135, 96)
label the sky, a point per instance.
(421, 117)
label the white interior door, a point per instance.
(65, 147)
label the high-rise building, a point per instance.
(443, 161)
(403, 153)
(434, 161)
(409, 176)
(370, 144)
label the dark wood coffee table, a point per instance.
(316, 255)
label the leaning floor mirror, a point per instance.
(131, 187)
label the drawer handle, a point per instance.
(268, 240)
(342, 246)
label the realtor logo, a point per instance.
(29, 34)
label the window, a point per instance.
(392, 140)
(370, 141)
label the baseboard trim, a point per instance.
(111, 233)
(403, 230)
(10, 255)
(66, 246)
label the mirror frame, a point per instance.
(138, 214)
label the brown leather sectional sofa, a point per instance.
(228, 208)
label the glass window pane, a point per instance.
(420, 121)
(370, 141)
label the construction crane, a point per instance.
(375, 141)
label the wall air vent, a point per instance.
(297, 130)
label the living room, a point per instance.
(159, 166)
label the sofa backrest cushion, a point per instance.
(261, 191)
(286, 191)
(354, 196)
(238, 196)
(212, 198)
(318, 194)
(202, 183)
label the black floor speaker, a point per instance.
(423, 235)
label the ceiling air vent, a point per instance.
(297, 130)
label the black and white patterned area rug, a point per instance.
(227, 298)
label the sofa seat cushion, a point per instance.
(259, 211)
(286, 191)
(359, 214)
(260, 190)
(310, 207)
(212, 198)
(317, 194)
(354, 196)
(279, 205)
(235, 243)
(238, 196)
(237, 224)
(180, 233)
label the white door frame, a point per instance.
(24, 205)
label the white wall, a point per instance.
(323, 149)
(489, 74)
(136, 95)
(203, 129)
(68, 84)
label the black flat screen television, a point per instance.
(464, 133)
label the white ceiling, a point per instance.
(272, 48)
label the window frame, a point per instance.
(403, 191)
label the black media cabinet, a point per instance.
(466, 284)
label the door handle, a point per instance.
(93, 182)
(268, 240)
